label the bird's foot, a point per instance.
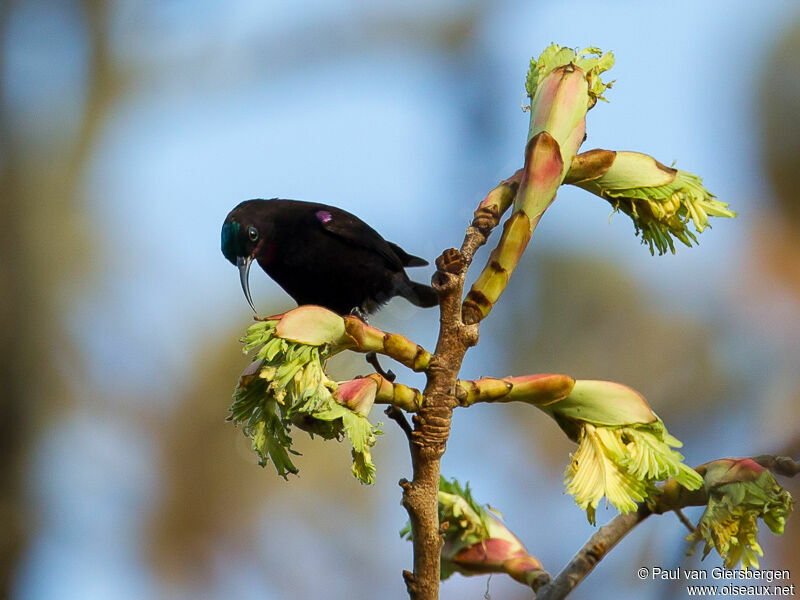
(360, 313)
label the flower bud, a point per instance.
(357, 394)
(477, 542)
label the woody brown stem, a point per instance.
(780, 465)
(432, 420)
(592, 553)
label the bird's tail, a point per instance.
(420, 294)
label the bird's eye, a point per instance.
(253, 233)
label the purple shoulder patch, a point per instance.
(324, 216)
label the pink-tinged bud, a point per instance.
(494, 555)
(560, 104)
(477, 542)
(311, 325)
(731, 470)
(357, 394)
(488, 556)
(544, 170)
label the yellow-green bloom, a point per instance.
(623, 447)
(660, 200)
(592, 61)
(287, 385)
(740, 491)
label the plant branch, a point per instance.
(399, 417)
(685, 520)
(432, 421)
(398, 395)
(538, 389)
(558, 125)
(673, 498)
(532, 389)
(541, 154)
(366, 338)
(592, 553)
(780, 465)
(561, 92)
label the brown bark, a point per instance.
(432, 421)
(592, 553)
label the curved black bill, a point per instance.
(243, 262)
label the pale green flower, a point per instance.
(592, 61)
(661, 201)
(623, 447)
(287, 385)
(740, 491)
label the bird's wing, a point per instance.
(354, 231)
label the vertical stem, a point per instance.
(432, 421)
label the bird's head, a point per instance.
(243, 233)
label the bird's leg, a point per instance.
(360, 313)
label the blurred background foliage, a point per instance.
(129, 129)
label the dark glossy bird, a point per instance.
(322, 255)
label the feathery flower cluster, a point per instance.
(739, 492)
(287, 385)
(624, 448)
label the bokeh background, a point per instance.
(129, 129)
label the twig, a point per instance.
(781, 465)
(397, 415)
(432, 421)
(592, 553)
(372, 359)
(685, 520)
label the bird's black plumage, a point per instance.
(321, 254)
